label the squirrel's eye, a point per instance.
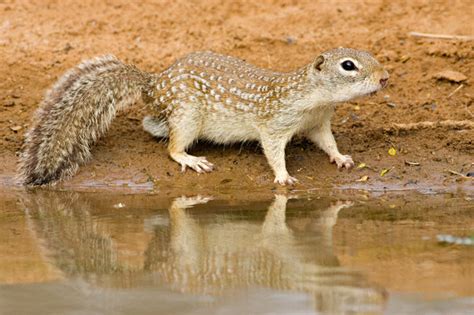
(348, 65)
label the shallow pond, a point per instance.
(318, 253)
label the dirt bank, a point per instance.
(38, 42)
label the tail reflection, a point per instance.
(201, 253)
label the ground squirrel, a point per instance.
(202, 96)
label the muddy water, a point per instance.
(90, 253)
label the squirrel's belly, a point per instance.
(228, 130)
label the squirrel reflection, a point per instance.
(202, 253)
(205, 258)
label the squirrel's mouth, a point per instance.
(373, 93)
(377, 88)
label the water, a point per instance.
(105, 253)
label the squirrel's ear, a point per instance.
(319, 61)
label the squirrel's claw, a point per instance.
(342, 161)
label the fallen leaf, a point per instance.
(385, 171)
(16, 128)
(450, 75)
(392, 151)
(363, 179)
(412, 163)
(361, 165)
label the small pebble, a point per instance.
(450, 75)
(344, 120)
(405, 58)
(430, 106)
(67, 48)
(354, 117)
(290, 40)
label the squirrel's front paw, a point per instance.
(342, 161)
(285, 180)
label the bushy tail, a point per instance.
(74, 114)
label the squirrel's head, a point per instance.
(348, 73)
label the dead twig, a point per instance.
(441, 36)
(452, 124)
(458, 174)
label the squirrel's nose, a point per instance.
(384, 79)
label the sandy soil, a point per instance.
(40, 40)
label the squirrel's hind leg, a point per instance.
(183, 131)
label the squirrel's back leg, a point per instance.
(156, 126)
(184, 127)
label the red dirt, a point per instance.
(38, 42)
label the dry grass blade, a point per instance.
(455, 90)
(441, 36)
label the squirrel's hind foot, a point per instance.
(198, 163)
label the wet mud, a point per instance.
(39, 41)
